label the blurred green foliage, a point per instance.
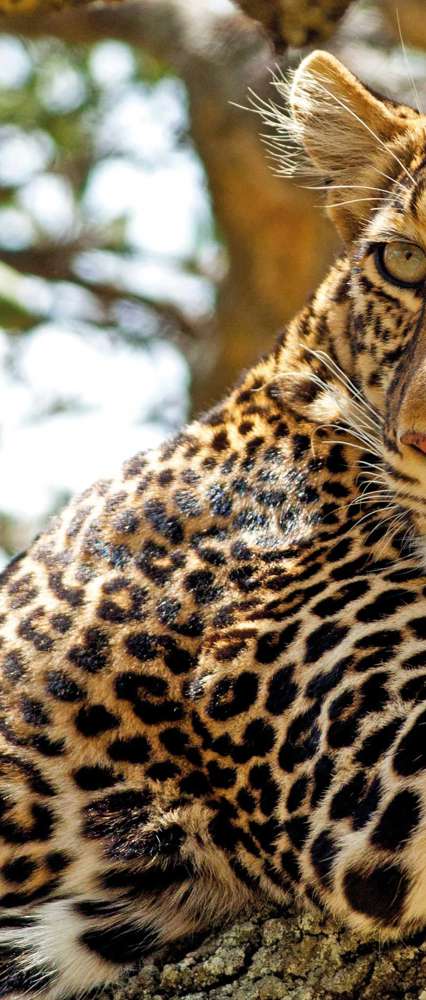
(91, 139)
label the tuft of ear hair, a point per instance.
(336, 131)
(338, 121)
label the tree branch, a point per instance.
(299, 956)
(259, 215)
(288, 22)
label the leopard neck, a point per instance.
(322, 326)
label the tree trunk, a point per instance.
(407, 21)
(278, 241)
(300, 956)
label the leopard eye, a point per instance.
(402, 263)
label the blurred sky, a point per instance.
(75, 399)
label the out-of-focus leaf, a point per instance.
(14, 313)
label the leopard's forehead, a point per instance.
(400, 201)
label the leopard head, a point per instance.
(369, 155)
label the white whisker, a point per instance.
(350, 201)
(407, 65)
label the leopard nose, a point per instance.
(416, 439)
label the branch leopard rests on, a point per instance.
(213, 669)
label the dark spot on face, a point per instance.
(175, 741)
(259, 737)
(164, 523)
(72, 595)
(301, 444)
(128, 685)
(62, 623)
(367, 804)
(156, 878)
(110, 611)
(342, 733)
(178, 659)
(336, 462)
(338, 706)
(415, 661)
(346, 799)
(165, 476)
(28, 630)
(168, 610)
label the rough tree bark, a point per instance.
(266, 955)
(271, 956)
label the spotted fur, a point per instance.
(213, 668)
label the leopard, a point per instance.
(213, 667)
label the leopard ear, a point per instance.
(344, 129)
(339, 121)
